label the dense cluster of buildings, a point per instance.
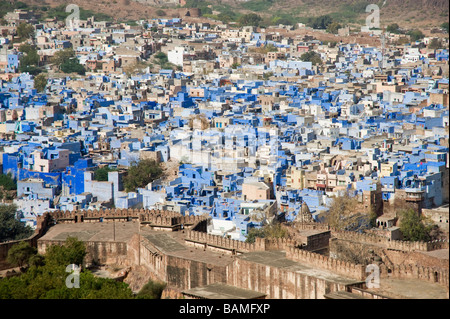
(245, 129)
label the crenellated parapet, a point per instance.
(202, 239)
(152, 218)
(430, 274)
(315, 260)
(215, 242)
(373, 239)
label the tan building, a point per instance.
(46, 165)
(295, 178)
(386, 169)
(255, 191)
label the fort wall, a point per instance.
(409, 271)
(146, 217)
(378, 240)
(42, 224)
(279, 283)
(339, 267)
(181, 272)
(204, 240)
(178, 272)
(98, 252)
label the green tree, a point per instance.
(270, 231)
(47, 280)
(235, 65)
(393, 28)
(30, 55)
(160, 13)
(141, 173)
(29, 61)
(72, 66)
(72, 252)
(254, 233)
(435, 44)
(161, 57)
(40, 82)
(250, 19)
(20, 254)
(101, 174)
(151, 290)
(267, 75)
(343, 214)
(334, 27)
(224, 17)
(413, 227)
(416, 35)
(63, 56)
(7, 182)
(10, 227)
(320, 22)
(36, 260)
(24, 30)
(445, 26)
(311, 56)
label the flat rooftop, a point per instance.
(169, 243)
(106, 231)
(343, 295)
(172, 244)
(410, 289)
(278, 259)
(222, 291)
(310, 232)
(439, 254)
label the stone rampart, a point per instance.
(147, 217)
(430, 274)
(97, 252)
(339, 267)
(227, 244)
(201, 239)
(42, 224)
(378, 240)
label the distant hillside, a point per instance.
(406, 13)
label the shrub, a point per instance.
(413, 227)
(151, 290)
(140, 174)
(72, 66)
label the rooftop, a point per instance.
(278, 259)
(222, 291)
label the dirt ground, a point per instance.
(410, 289)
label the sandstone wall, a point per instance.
(278, 283)
(339, 267)
(42, 224)
(378, 240)
(201, 239)
(429, 274)
(98, 252)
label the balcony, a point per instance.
(414, 197)
(415, 190)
